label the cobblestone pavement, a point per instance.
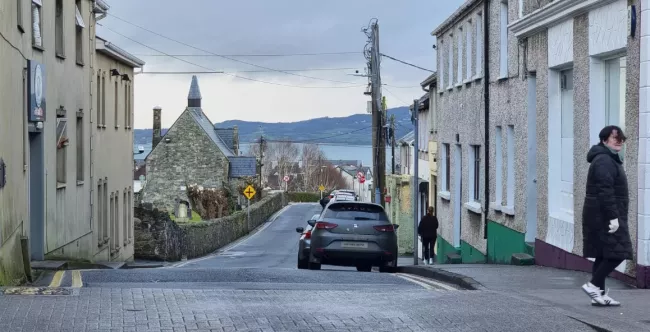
(255, 286)
(152, 309)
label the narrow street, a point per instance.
(254, 286)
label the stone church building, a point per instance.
(192, 151)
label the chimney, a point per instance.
(156, 127)
(194, 97)
(235, 140)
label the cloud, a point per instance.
(263, 27)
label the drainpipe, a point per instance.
(486, 101)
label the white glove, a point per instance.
(613, 226)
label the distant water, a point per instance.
(331, 151)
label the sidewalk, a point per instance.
(548, 287)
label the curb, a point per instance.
(442, 275)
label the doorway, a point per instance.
(531, 181)
(458, 194)
(36, 194)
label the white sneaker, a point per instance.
(430, 261)
(608, 300)
(595, 294)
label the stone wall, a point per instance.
(190, 157)
(159, 238)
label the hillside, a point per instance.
(354, 129)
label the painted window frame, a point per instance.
(510, 171)
(468, 51)
(460, 56)
(80, 25)
(503, 39)
(479, 45)
(445, 193)
(37, 24)
(450, 62)
(498, 168)
(59, 28)
(79, 128)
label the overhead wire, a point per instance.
(406, 63)
(225, 73)
(318, 138)
(224, 56)
(257, 55)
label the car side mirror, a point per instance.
(300, 230)
(311, 223)
(396, 226)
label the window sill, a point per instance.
(502, 77)
(468, 81)
(509, 210)
(80, 183)
(474, 207)
(127, 127)
(117, 127)
(60, 56)
(459, 85)
(477, 78)
(445, 195)
(20, 28)
(80, 63)
(496, 206)
(38, 48)
(449, 88)
(60, 185)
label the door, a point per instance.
(531, 182)
(458, 194)
(566, 181)
(36, 196)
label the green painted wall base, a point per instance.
(444, 248)
(471, 255)
(503, 242)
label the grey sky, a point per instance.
(271, 27)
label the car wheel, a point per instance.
(364, 268)
(390, 267)
(303, 264)
(314, 266)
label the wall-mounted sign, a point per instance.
(37, 92)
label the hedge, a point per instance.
(304, 197)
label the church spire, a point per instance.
(194, 97)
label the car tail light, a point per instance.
(331, 196)
(325, 225)
(308, 235)
(385, 228)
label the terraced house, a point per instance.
(51, 140)
(558, 72)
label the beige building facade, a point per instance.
(48, 134)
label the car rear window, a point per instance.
(355, 211)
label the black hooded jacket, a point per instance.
(606, 199)
(428, 227)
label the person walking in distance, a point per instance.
(605, 232)
(428, 231)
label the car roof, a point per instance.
(354, 202)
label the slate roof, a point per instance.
(408, 138)
(195, 92)
(344, 162)
(208, 127)
(227, 135)
(241, 166)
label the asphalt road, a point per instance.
(254, 285)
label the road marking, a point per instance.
(429, 284)
(76, 279)
(56, 280)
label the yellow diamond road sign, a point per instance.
(321, 188)
(249, 192)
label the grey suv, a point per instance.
(350, 233)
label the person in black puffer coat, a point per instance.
(605, 231)
(428, 231)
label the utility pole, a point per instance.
(378, 113)
(416, 181)
(392, 142)
(261, 157)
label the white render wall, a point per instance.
(643, 254)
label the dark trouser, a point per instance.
(427, 247)
(601, 269)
